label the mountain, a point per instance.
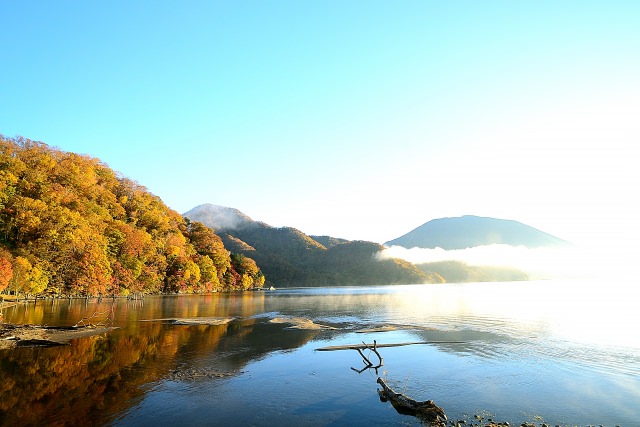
(470, 231)
(220, 217)
(288, 257)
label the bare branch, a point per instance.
(107, 321)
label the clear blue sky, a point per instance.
(356, 119)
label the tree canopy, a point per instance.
(69, 224)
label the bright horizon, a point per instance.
(358, 120)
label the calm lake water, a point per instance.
(562, 353)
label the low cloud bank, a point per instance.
(538, 263)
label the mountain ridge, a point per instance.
(290, 257)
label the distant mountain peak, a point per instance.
(470, 231)
(219, 217)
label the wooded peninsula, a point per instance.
(70, 225)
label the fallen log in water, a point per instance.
(366, 346)
(406, 405)
(427, 410)
(391, 328)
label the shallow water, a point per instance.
(563, 353)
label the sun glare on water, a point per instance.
(594, 312)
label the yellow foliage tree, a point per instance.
(28, 279)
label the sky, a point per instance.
(356, 119)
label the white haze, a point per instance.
(218, 217)
(539, 263)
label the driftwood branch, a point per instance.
(107, 321)
(403, 404)
(406, 405)
(367, 362)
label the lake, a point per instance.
(554, 352)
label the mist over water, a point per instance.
(583, 294)
(567, 262)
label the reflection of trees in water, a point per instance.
(65, 384)
(62, 311)
(95, 378)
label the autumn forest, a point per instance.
(70, 225)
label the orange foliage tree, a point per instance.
(6, 271)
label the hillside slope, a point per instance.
(71, 225)
(289, 257)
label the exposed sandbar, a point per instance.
(300, 323)
(210, 321)
(12, 335)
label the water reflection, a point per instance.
(93, 379)
(542, 346)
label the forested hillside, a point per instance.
(71, 225)
(289, 257)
